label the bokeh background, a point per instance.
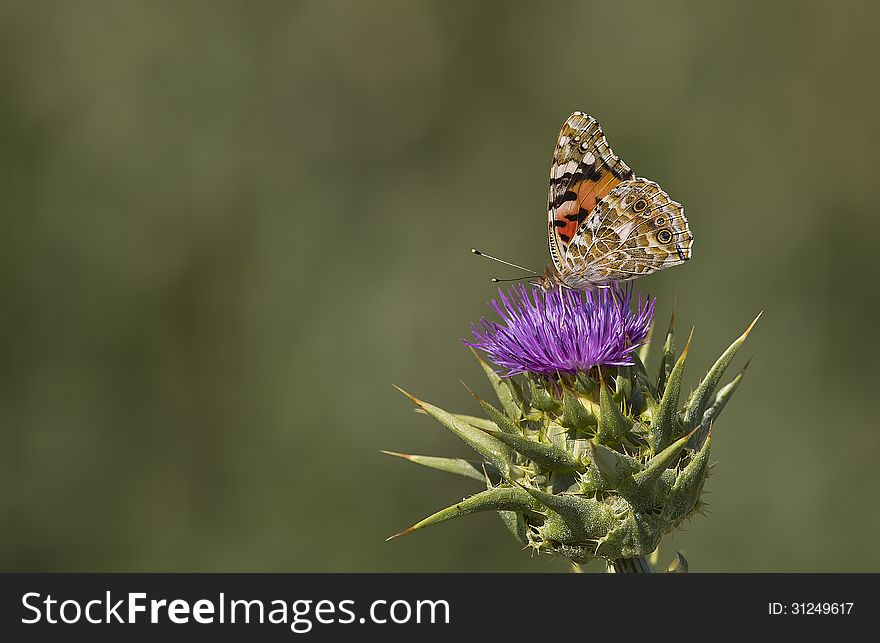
(229, 227)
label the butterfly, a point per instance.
(605, 224)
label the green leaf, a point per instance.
(487, 446)
(542, 400)
(616, 468)
(667, 357)
(647, 478)
(686, 490)
(584, 518)
(614, 426)
(699, 399)
(711, 414)
(499, 420)
(481, 423)
(548, 456)
(506, 498)
(645, 348)
(574, 415)
(623, 386)
(516, 523)
(679, 565)
(584, 383)
(457, 466)
(663, 425)
(726, 392)
(506, 389)
(641, 382)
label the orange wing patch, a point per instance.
(587, 193)
(583, 171)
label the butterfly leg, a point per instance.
(615, 293)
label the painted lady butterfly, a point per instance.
(605, 224)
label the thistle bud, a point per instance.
(585, 456)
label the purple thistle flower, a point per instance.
(562, 330)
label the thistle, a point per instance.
(585, 455)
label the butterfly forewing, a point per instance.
(583, 171)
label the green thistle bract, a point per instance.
(593, 464)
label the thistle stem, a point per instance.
(629, 566)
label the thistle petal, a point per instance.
(563, 330)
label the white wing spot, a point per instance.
(568, 168)
(589, 159)
(626, 230)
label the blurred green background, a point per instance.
(229, 227)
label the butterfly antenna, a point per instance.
(496, 280)
(531, 272)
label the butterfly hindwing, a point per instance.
(583, 172)
(636, 229)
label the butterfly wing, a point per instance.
(635, 230)
(583, 171)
